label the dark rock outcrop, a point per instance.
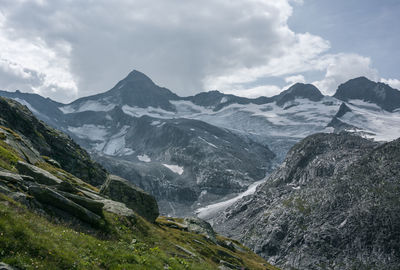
(333, 204)
(119, 189)
(375, 92)
(50, 142)
(50, 197)
(298, 90)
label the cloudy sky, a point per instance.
(65, 49)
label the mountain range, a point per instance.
(53, 217)
(193, 151)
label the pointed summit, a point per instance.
(299, 90)
(364, 89)
(137, 76)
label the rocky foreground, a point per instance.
(333, 204)
(60, 210)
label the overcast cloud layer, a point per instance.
(69, 49)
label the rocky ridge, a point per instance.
(333, 204)
(190, 152)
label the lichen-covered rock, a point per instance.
(119, 189)
(199, 226)
(41, 176)
(117, 208)
(47, 196)
(92, 205)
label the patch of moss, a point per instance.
(8, 157)
(297, 203)
(12, 132)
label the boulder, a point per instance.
(47, 196)
(41, 176)
(117, 208)
(119, 189)
(67, 187)
(10, 177)
(199, 226)
(92, 205)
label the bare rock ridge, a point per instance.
(333, 204)
(363, 89)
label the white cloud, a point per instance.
(343, 67)
(264, 90)
(187, 46)
(31, 65)
(295, 79)
(57, 47)
(395, 83)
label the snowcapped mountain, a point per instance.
(192, 151)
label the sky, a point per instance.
(66, 49)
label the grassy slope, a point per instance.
(31, 241)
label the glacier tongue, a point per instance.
(210, 211)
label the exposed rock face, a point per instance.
(299, 90)
(217, 144)
(333, 204)
(119, 189)
(363, 89)
(41, 176)
(64, 195)
(50, 142)
(50, 197)
(200, 226)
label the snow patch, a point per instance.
(90, 105)
(66, 109)
(175, 168)
(150, 111)
(379, 125)
(116, 143)
(90, 132)
(212, 145)
(212, 210)
(224, 100)
(144, 158)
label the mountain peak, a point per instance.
(369, 91)
(136, 76)
(299, 90)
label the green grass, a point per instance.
(30, 241)
(8, 157)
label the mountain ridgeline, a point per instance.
(53, 217)
(192, 151)
(333, 204)
(327, 170)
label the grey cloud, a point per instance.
(176, 43)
